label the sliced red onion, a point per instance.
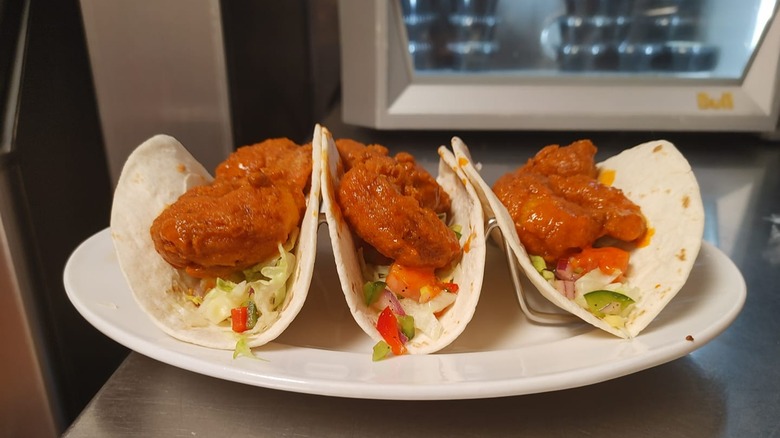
(393, 302)
(563, 269)
(565, 287)
(568, 287)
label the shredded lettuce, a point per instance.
(225, 285)
(270, 278)
(264, 283)
(196, 300)
(223, 297)
(242, 348)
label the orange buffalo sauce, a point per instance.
(607, 177)
(607, 259)
(561, 203)
(646, 238)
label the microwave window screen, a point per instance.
(714, 39)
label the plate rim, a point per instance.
(220, 364)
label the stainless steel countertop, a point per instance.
(729, 387)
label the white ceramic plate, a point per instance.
(500, 353)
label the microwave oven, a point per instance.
(675, 65)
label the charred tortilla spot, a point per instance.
(658, 148)
(689, 338)
(681, 255)
(181, 168)
(686, 201)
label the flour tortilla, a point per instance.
(467, 212)
(155, 174)
(655, 176)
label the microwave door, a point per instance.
(574, 64)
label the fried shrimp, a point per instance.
(255, 202)
(559, 207)
(548, 225)
(354, 153)
(394, 205)
(283, 161)
(574, 159)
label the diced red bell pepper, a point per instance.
(238, 318)
(451, 287)
(387, 325)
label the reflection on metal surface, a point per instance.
(728, 196)
(159, 67)
(637, 37)
(710, 221)
(772, 251)
(26, 406)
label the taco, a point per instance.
(623, 279)
(221, 262)
(409, 249)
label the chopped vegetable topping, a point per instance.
(406, 323)
(253, 304)
(425, 314)
(381, 351)
(458, 230)
(539, 263)
(387, 325)
(196, 300)
(251, 312)
(372, 290)
(242, 348)
(606, 302)
(451, 287)
(592, 279)
(238, 316)
(409, 301)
